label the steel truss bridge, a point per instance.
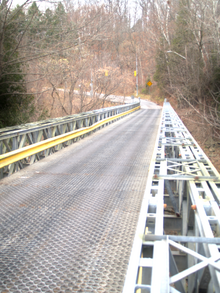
(133, 207)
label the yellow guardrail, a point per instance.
(19, 154)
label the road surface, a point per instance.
(145, 104)
(68, 221)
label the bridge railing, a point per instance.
(177, 242)
(25, 144)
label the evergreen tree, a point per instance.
(179, 66)
(15, 105)
(34, 17)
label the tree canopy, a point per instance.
(69, 47)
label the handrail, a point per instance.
(46, 137)
(190, 207)
(24, 128)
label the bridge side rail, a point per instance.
(177, 241)
(23, 145)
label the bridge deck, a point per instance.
(68, 221)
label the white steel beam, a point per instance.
(177, 157)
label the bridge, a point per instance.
(120, 199)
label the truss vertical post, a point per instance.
(193, 185)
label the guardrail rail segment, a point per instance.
(176, 247)
(23, 145)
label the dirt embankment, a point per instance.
(59, 102)
(201, 131)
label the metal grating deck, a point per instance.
(68, 221)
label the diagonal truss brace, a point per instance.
(178, 158)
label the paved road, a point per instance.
(68, 221)
(145, 104)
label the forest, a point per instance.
(51, 58)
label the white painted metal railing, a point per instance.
(179, 218)
(23, 138)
